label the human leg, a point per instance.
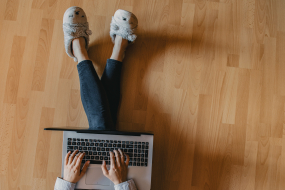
(112, 75)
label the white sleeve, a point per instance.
(61, 184)
(127, 185)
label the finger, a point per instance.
(75, 159)
(112, 158)
(66, 158)
(104, 168)
(128, 159)
(122, 156)
(84, 168)
(79, 160)
(118, 158)
(71, 157)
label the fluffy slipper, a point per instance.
(124, 23)
(75, 25)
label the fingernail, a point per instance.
(68, 151)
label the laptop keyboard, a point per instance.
(97, 150)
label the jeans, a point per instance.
(100, 98)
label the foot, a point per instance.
(119, 48)
(79, 50)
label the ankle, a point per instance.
(79, 49)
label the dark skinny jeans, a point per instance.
(100, 98)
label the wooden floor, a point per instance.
(207, 77)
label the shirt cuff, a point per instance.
(61, 184)
(127, 185)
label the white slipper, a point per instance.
(75, 25)
(124, 23)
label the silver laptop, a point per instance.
(97, 144)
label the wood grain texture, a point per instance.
(205, 76)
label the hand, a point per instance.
(72, 167)
(119, 169)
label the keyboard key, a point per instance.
(81, 139)
(114, 145)
(142, 155)
(136, 142)
(105, 144)
(142, 146)
(78, 143)
(136, 146)
(127, 142)
(92, 144)
(97, 157)
(129, 146)
(104, 153)
(90, 153)
(145, 164)
(146, 143)
(130, 164)
(139, 155)
(76, 148)
(139, 146)
(139, 151)
(85, 148)
(70, 147)
(94, 153)
(143, 142)
(87, 144)
(135, 159)
(74, 139)
(107, 141)
(80, 148)
(83, 144)
(101, 157)
(109, 145)
(134, 164)
(99, 153)
(90, 140)
(102, 149)
(101, 144)
(73, 143)
(87, 157)
(95, 162)
(123, 146)
(135, 155)
(108, 153)
(96, 144)
(142, 160)
(86, 140)
(111, 149)
(78, 139)
(119, 141)
(98, 149)
(89, 148)
(69, 143)
(107, 149)
(125, 150)
(86, 152)
(105, 158)
(146, 147)
(123, 142)
(103, 141)
(83, 161)
(119, 145)
(92, 157)
(138, 164)
(111, 141)
(131, 142)
(139, 143)
(69, 139)
(138, 159)
(135, 150)
(130, 150)
(115, 141)
(94, 148)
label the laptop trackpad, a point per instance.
(94, 176)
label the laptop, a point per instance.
(97, 144)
